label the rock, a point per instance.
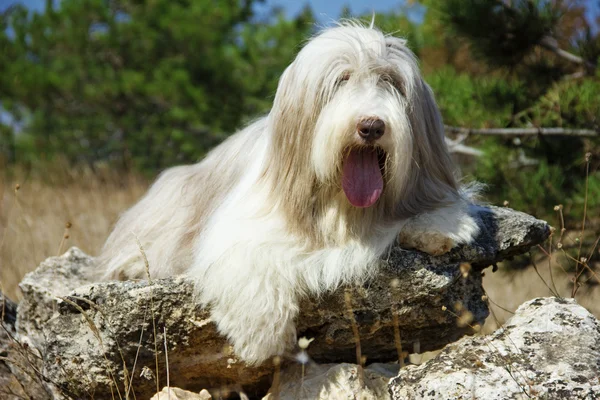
(10, 388)
(205, 395)
(550, 349)
(8, 317)
(334, 381)
(8, 312)
(174, 393)
(20, 366)
(109, 336)
(42, 287)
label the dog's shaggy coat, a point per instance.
(350, 158)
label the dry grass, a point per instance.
(546, 276)
(57, 209)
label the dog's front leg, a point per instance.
(254, 304)
(438, 231)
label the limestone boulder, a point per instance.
(550, 349)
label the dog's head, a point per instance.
(352, 114)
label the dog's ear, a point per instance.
(430, 144)
(294, 105)
(294, 114)
(291, 125)
(432, 179)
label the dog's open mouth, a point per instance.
(362, 176)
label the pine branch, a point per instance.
(551, 44)
(456, 147)
(523, 131)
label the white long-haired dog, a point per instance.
(351, 158)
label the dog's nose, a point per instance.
(370, 128)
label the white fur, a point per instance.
(262, 220)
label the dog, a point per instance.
(350, 159)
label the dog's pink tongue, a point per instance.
(361, 179)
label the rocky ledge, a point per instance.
(113, 339)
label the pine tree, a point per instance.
(541, 71)
(145, 84)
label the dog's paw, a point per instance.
(258, 326)
(433, 243)
(257, 347)
(439, 231)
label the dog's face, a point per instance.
(353, 111)
(362, 135)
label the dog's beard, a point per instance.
(363, 175)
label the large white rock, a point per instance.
(550, 349)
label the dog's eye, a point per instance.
(343, 78)
(396, 84)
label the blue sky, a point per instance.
(325, 10)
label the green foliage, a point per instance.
(536, 185)
(502, 32)
(505, 169)
(269, 46)
(474, 101)
(577, 202)
(523, 83)
(147, 84)
(568, 103)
